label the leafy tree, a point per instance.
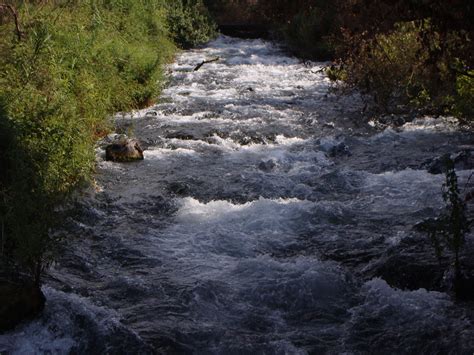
(190, 23)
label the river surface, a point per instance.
(268, 217)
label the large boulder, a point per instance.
(18, 303)
(126, 150)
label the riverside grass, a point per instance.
(73, 64)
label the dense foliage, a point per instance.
(414, 54)
(308, 33)
(65, 67)
(304, 25)
(190, 22)
(406, 54)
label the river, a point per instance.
(268, 217)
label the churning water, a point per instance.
(266, 218)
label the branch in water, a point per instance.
(205, 62)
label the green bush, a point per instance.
(386, 66)
(463, 101)
(408, 67)
(190, 23)
(76, 63)
(308, 33)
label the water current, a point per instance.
(268, 217)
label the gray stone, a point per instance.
(127, 150)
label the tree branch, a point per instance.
(5, 7)
(205, 62)
(461, 72)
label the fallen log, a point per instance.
(205, 62)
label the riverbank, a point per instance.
(66, 69)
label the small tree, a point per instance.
(448, 231)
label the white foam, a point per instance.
(163, 153)
(219, 211)
(403, 191)
(441, 124)
(421, 125)
(58, 331)
(400, 308)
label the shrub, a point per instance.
(387, 66)
(462, 102)
(74, 65)
(308, 33)
(190, 23)
(406, 68)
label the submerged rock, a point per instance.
(407, 272)
(178, 188)
(124, 151)
(267, 166)
(464, 288)
(18, 303)
(255, 138)
(463, 160)
(461, 285)
(182, 135)
(334, 147)
(112, 138)
(151, 113)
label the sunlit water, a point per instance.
(266, 218)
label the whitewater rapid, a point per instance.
(267, 218)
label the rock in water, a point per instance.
(125, 151)
(267, 166)
(18, 303)
(463, 160)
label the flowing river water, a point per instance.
(266, 218)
